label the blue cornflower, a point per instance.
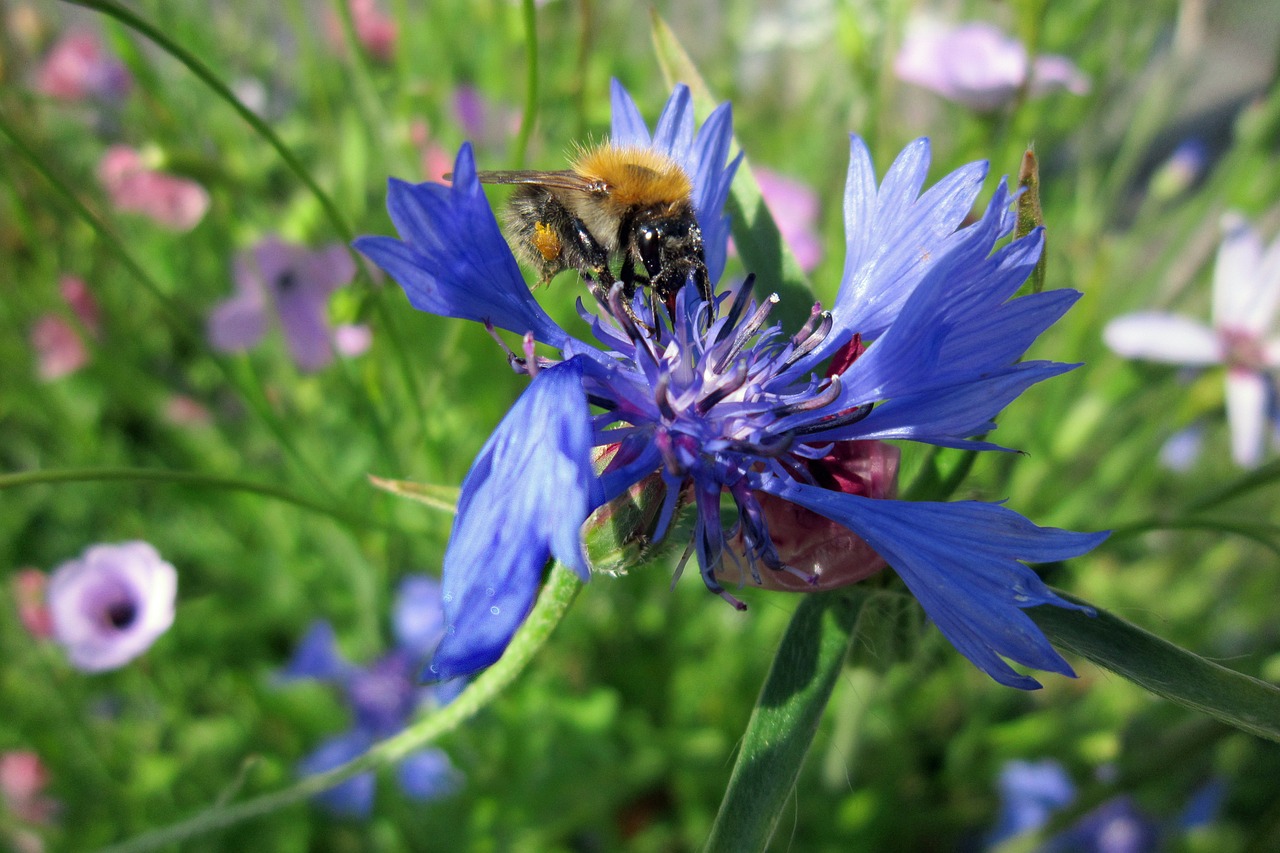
(383, 698)
(714, 399)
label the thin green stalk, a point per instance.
(175, 317)
(188, 478)
(530, 16)
(561, 588)
(206, 75)
(339, 223)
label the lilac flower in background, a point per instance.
(171, 202)
(79, 67)
(383, 697)
(1033, 792)
(977, 65)
(111, 604)
(292, 283)
(712, 399)
(483, 121)
(1185, 166)
(794, 208)
(1180, 452)
(1241, 336)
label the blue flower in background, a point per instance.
(383, 698)
(715, 399)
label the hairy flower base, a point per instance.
(817, 545)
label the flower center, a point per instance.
(1242, 349)
(120, 614)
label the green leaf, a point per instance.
(785, 719)
(755, 234)
(1238, 700)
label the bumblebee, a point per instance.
(615, 203)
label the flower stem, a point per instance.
(561, 588)
(785, 719)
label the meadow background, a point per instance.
(250, 475)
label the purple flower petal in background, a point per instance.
(1030, 792)
(291, 283)
(977, 65)
(427, 775)
(172, 202)
(1241, 337)
(483, 121)
(354, 797)
(417, 618)
(317, 656)
(79, 67)
(383, 697)
(111, 604)
(795, 208)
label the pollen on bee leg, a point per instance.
(546, 241)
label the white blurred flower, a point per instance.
(1246, 292)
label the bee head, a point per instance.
(661, 240)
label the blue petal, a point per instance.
(317, 656)
(948, 417)
(354, 797)
(523, 502)
(427, 775)
(711, 182)
(628, 127)
(960, 560)
(452, 259)
(674, 133)
(894, 237)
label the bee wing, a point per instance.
(561, 180)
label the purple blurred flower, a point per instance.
(383, 697)
(1030, 792)
(172, 202)
(79, 67)
(1241, 337)
(483, 121)
(719, 403)
(292, 283)
(977, 65)
(110, 605)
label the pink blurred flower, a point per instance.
(184, 411)
(291, 282)
(794, 208)
(58, 347)
(80, 299)
(23, 778)
(352, 339)
(977, 65)
(1241, 337)
(436, 160)
(376, 30)
(111, 604)
(79, 67)
(28, 591)
(175, 203)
